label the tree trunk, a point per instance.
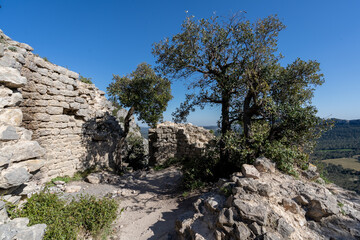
(121, 142)
(225, 126)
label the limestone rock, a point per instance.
(9, 98)
(11, 77)
(290, 205)
(8, 133)
(252, 211)
(72, 189)
(13, 177)
(18, 229)
(22, 150)
(1, 50)
(250, 171)
(284, 228)
(93, 178)
(263, 164)
(11, 116)
(319, 209)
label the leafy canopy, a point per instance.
(235, 64)
(143, 91)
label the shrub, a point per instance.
(85, 80)
(13, 49)
(65, 221)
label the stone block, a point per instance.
(8, 133)
(11, 116)
(22, 151)
(54, 110)
(13, 177)
(11, 77)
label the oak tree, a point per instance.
(235, 64)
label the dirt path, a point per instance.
(151, 201)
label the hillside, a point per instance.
(338, 153)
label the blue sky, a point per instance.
(101, 38)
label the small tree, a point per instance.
(145, 94)
(235, 64)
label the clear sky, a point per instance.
(101, 38)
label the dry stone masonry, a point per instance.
(171, 140)
(69, 120)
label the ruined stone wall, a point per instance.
(69, 119)
(20, 156)
(171, 140)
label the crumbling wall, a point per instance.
(20, 156)
(70, 119)
(171, 140)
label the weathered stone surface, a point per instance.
(13, 177)
(17, 229)
(284, 228)
(264, 165)
(250, 171)
(290, 205)
(241, 231)
(11, 77)
(11, 116)
(1, 50)
(72, 189)
(93, 178)
(319, 209)
(252, 211)
(22, 151)
(8, 133)
(9, 98)
(31, 165)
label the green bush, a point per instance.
(65, 221)
(85, 80)
(13, 49)
(198, 171)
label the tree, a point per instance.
(145, 94)
(235, 64)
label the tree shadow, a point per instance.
(100, 137)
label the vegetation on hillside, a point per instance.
(337, 154)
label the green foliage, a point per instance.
(80, 175)
(46, 59)
(144, 91)
(85, 80)
(65, 221)
(238, 67)
(13, 49)
(136, 154)
(198, 171)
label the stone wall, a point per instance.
(20, 156)
(171, 140)
(70, 119)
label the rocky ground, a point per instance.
(152, 201)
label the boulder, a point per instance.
(13, 177)
(249, 171)
(290, 205)
(284, 228)
(11, 77)
(318, 209)
(263, 164)
(252, 211)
